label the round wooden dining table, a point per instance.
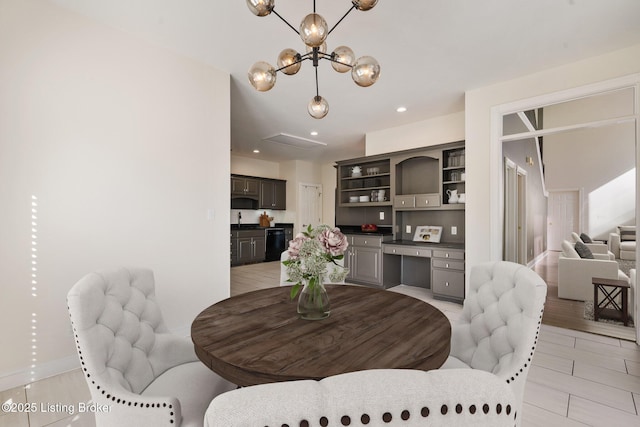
(257, 337)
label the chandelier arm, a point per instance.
(293, 63)
(317, 90)
(285, 21)
(338, 62)
(344, 16)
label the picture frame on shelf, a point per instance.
(428, 234)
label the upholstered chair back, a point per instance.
(383, 397)
(500, 322)
(116, 314)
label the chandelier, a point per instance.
(313, 32)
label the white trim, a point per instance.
(569, 128)
(537, 259)
(41, 371)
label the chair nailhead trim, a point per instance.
(387, 417)
(108, 395)
(304, 423)
(345, 420)
(365, 419)
(424, 412)
(405, 415)
(324, 422)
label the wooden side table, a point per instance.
(611, 289)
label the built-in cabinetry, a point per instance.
(416, 180)
(447, 274)
(364, 259)
(453, 178)
(416, 187)
(273, 194)
(245, 186)
(248, 192)
(247, 246)
(362, 184)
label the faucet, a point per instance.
(239, 218)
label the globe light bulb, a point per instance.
(260, 7)
(318, 107)
(364, 5)
(322, 48)
(313, 30)
(345, 55)
(366, 71)
(262, 76)
(288, 58)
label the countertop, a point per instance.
(258, 227)
(425, 245)
(355, 229)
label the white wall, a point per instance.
(434, 131)
(483, 218)
(255, 167)
(125, 146)
(576, 160)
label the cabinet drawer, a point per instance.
(404, 202)
(448, 265)
(427, 200)
(407, 251)
(367, 241)
(448, 283)
(448, 254)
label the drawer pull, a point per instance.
(417, 252)
(403, 202)
(446, 255)
(426, 202)
(446, 265)
(446, 283)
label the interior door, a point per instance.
(310, 205)
(564, 217)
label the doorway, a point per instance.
(309, 205)
(627, 114)
(563, 217)
(515, 213)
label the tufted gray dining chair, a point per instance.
(138, 373)
(375, 398)
(500, 323)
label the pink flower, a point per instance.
(333, 241)
(295, 245)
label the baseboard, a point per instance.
(537, 259)
(55, 367)
(39, 372)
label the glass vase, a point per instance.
(313, 302)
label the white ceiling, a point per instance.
(430, 52)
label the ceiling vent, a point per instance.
(294, 141)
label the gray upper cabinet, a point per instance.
(245, 186)
(273, 194)
(416, 180)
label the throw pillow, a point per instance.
(585, 238)
(583, 250)
(627, 232)
(568, 251)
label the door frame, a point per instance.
(496, 199)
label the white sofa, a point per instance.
(621, 244)
(575, 274)
(596, 247)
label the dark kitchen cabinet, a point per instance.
(273, 194)
(247, 246)
(243, 186)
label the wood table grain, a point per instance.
(257, 337)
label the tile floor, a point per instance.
(576, 379)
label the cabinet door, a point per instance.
(245, 250)
(348, 262)
(367, 265)
(267, 195)
(237, 186)
(280, 197)
(259, 249)
(252, 187)
(448, 283)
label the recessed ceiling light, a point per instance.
(401, 109)
(314, 133)
(256, 151)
